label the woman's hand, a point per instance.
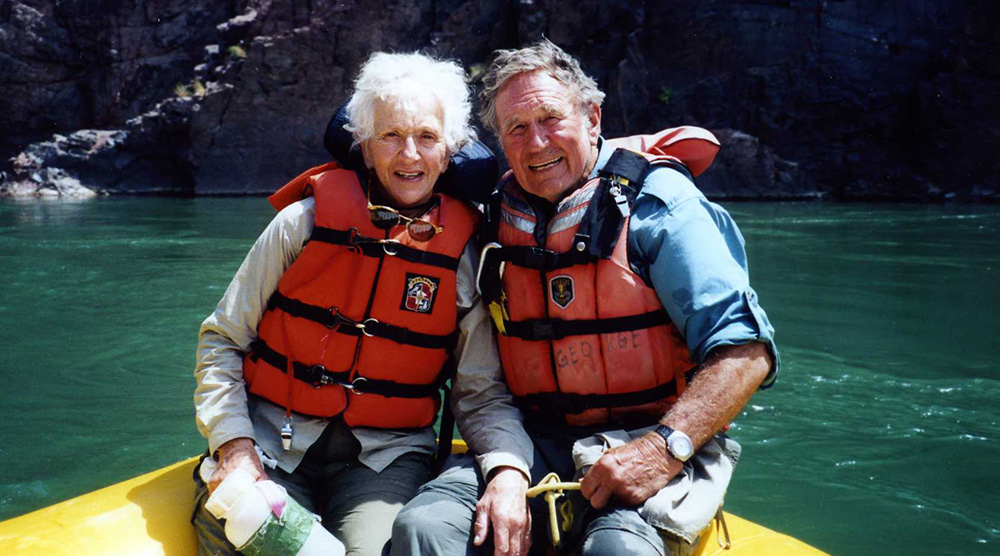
(238, 453)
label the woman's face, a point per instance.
(407, 151)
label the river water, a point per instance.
(880, 436)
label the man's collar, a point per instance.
(603, 154)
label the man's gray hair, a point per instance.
(544, 56)
(403, 78)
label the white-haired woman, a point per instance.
(325, 356)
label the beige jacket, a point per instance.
(484, 411)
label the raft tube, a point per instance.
(150, 515)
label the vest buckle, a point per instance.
(337, 318)
(320, 376)
(352, 240)
(540, 259)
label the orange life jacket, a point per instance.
(581, 335)
(363, 322)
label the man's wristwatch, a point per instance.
(679, 445)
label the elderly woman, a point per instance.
(321, 366)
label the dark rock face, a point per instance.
(884, 99)
(67, 65)
(745, 169)
(853, 92)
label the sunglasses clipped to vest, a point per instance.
(385, 217)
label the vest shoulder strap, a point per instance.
(490, 230)
(695, 147)
(299, 187)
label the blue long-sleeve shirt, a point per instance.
(692, 253)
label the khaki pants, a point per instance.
(357, 504)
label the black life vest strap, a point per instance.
(489, 231)
(537, 258)
(331, 318)
(488, 274)
(318, 376)
(371, 247)
(627, 165)
(446, 432)
(563, 403)
(602, 223)
(555, 329)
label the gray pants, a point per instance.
(439, 520)
(357, 504)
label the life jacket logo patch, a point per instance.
(420, 293)
(561, 290)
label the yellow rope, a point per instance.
(551, 489)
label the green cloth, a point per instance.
(281, 537)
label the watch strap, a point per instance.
(665, 432)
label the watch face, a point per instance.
(681, 446)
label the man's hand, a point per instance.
(633, 472)
(235, 454)
(505, 505)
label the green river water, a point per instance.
(880, 436)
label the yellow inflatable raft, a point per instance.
(150, 516)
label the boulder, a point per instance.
(746, 169)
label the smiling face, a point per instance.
(551, 145)
(407, 151)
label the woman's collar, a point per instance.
(377, 196)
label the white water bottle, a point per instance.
(255, 530)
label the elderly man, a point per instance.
(628, 331)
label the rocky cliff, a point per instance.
(886, 99)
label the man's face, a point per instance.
(550, 144)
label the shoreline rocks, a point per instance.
(812, 99)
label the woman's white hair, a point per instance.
(403, 78)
